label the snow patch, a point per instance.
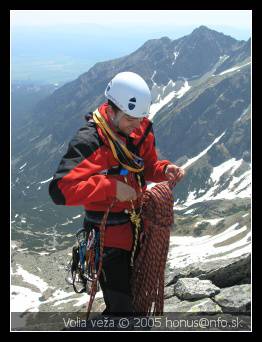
(23, 299)
(192, 160)
(189, 211)
(155, 107)
(22, 249)
(176, 53)
(244, 112)
(13, 245)
(61, 148)
(32, 279)
(223, 58)
(20, 168)
(229, 165)
(46, 181)
(213, 222)
(185, 250)
(66, 223)
(233, 69)
(42, 253)
(162, 99)
(152, 78)
(238, 186)
(75, 217)
(183, 90)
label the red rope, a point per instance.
(101, 249)
(149, 268)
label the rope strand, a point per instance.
(101, 252)
(148, 274)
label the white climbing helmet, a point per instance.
(129, 92)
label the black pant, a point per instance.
(115, 282)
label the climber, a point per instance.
(110, 159)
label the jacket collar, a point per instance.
(135, 135)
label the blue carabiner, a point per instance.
(123, 172)
(82, 254)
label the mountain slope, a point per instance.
(201, 114)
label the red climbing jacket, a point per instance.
(80, 179)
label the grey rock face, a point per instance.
(230, 272)
(174, 304)
(235, 299)
(223, 272)
(169, 292)
(194, 288)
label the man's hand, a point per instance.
(125, 192)
(174, 172)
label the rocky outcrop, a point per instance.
(222, 272)
(219, 286)
(235, 298)
(205, 305)
(194, 288)
(186, 294)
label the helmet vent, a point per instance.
(131, 105)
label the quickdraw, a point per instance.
(83, 264)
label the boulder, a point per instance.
(235, 298)
(228, 272)
(222, 272)
(207, 305)
(169, 292)
(194, 288)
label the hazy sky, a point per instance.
(231, 18)
(62, 44)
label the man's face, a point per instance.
(127, 124)
(123, 122)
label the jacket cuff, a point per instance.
(163, 165)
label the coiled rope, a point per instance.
(149, 268)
